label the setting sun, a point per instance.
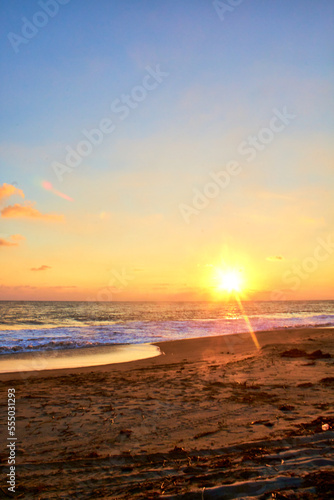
(229, 281)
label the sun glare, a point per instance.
(230, 281)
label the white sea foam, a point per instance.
(47, 326)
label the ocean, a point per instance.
(50, 326)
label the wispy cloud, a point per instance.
(17, 237)
(62, 287)
(41, 268)
(7, 190)
(13, 241)
(19, 210)
(30, 287)
(275, 258)
(6, 243)
(28, 211)
(17, 287)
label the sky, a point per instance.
(150, 149)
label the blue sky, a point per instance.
(86, 55)
(225, 77)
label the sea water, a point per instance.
(49, 326)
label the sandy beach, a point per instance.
(209, 418)
(167, 250)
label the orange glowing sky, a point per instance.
(222, 164)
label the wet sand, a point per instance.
(210, 418)
(76, 358)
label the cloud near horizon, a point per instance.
(60, 287)
(30, 287)
(275, 258)
(18, 237)
(13, 241)
(6, 243)
(7, 190)
(28, 211)
(41, 268)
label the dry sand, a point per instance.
(210, 418)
